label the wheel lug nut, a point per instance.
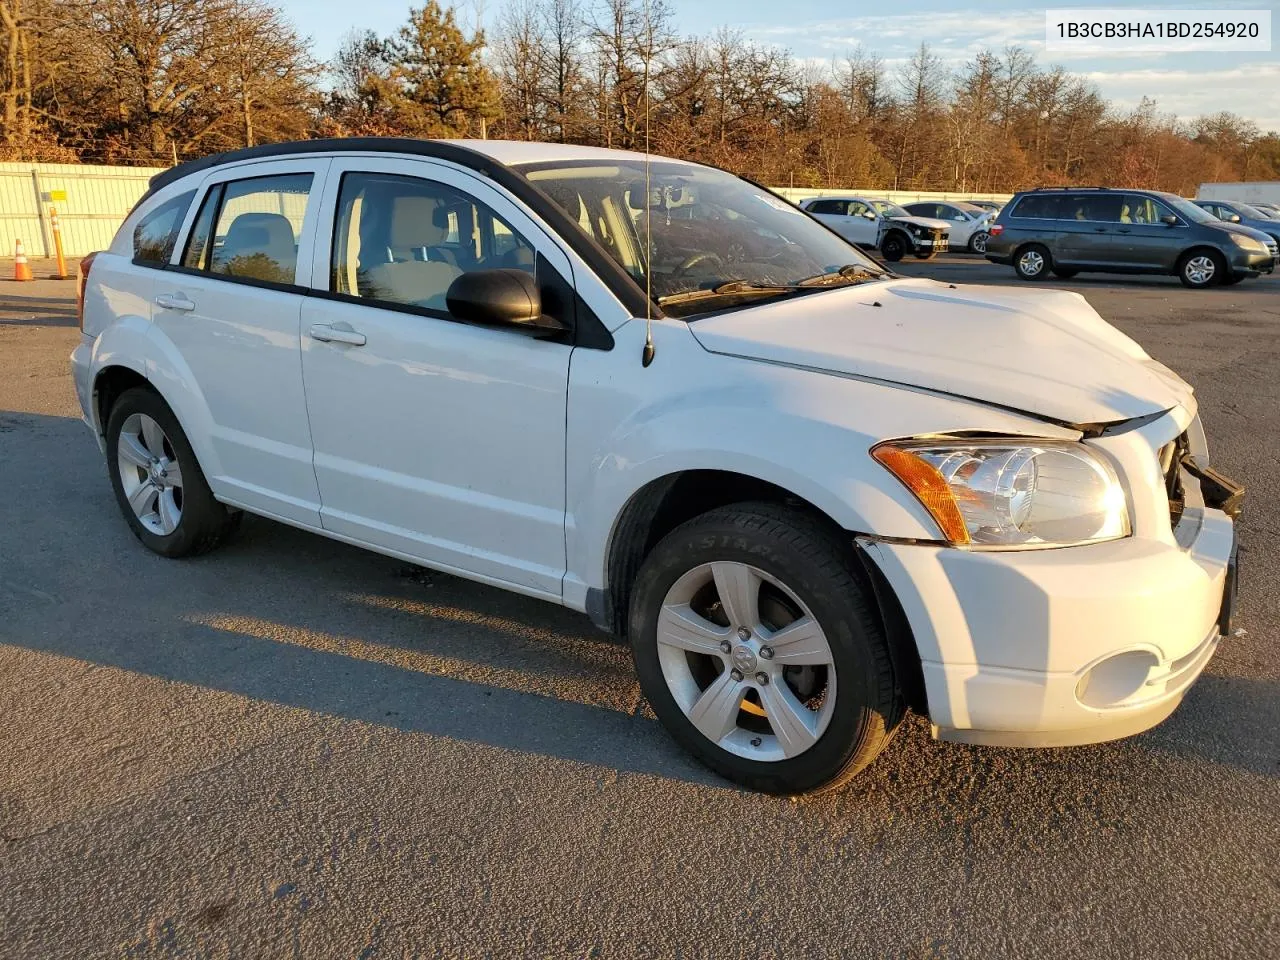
(766, 653)
(736, 674)
(744, 633)
(762, 679)
(725, 646)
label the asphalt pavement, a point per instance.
(293, 748)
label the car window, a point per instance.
(1137, 209)
(859, 209)
(833, 207)
(255, 227)
(944, 211)
(1038, 206)
(1094, 207)
(156, 234)
(404, 240)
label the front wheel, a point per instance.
(1201, 268)
(756, 644)
(894, 247)
(978, 242)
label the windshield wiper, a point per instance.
(728, 288)
(850, 271)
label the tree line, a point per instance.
(159, 81)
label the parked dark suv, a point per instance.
(1068, 230)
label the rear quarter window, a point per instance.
(157, 233)
(1037, 207)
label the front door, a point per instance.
(231, 304)
(435, 439)
(1143, 240)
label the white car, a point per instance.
(970, 225)
(881, 224)
(811, 495)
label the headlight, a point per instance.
(914, 229)
(1011, 494)
(1240, 240)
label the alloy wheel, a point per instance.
(1031, 263)
(979, 243)
(150, 474)
(746, 661)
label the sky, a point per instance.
(1185, 84)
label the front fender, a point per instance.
(137, 344)
(809, 433)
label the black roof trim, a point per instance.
(619, 282)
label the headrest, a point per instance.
(413, 223)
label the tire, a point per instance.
(978, 242)
(1064, 273)
(1201, 268)
(850, 707)
(894, 246)
(177, 514)
(1032, 262)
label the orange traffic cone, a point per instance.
(21, 269)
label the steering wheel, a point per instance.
(691, 261)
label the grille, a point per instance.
(1171, 455)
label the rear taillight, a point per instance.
(997, 229)
(82, 281)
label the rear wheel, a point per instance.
(755, 643)
(894, 246)
(1201, 268)
(157, 481)
(1032, 262)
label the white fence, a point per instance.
(91, 201)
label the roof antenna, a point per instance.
(646, 357)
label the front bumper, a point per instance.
(1248, 263)
(1066, 646)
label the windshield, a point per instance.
(709, 229)
(887, 209)
(1247, 211)
(1189, 210)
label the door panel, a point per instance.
(1143, 241)
(232, 310)
(1088, 224)
(433, 438)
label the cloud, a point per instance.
(957, 35)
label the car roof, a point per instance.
(481, 155)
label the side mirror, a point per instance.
(961, 218)
(500, 298)
(869, 214)
(1169, 220)
(1233, 218)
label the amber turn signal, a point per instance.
(929, 486)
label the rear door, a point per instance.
(231, 303)
(1088, 229)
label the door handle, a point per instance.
(1125, 230)
(336, 333)
(175, 301)
(1099, 229)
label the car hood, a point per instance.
(929, 223)
(1247, 230)
(1043, 352)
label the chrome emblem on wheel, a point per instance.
(744, 659)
